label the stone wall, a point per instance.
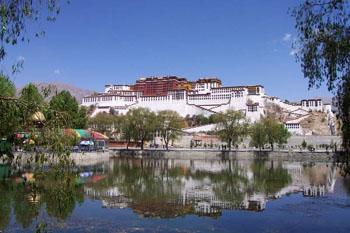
(295, 141)
(81, 159)
(211, 155)
(314, 140)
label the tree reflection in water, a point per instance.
(158, 188)
(53, 191)
(268, 180)
(5, 204)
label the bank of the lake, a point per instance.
(81, 158)
(319, 156)
(87, 158)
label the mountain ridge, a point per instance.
(77, 92)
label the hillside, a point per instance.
(316, 123)
(77, 92)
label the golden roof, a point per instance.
(38, 116)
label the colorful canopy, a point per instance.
(86, 134)
(97, 135)
(82, 134)
(71, 132)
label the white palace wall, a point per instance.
(207, 99)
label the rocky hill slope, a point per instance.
(77, 92)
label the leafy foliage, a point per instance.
(304, 144)
(104, 123)
(268, 130)
(57, 191)
(49, 141)
(34, 100)
(169, 125)
(232, 127)
(144, 123)
(198, 120)
(258, 135)
(65, 103)
(127, 129)
(271, 130)
(283, 135)
(323, 50)
(9, 113)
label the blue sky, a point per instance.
(93, 43)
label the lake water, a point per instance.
(133, 195)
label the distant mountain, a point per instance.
(77, 92)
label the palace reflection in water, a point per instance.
(170, 188)
(159, 188)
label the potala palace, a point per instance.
(205, 96)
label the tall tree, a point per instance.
(65, 103)
(9, 113)
(31, 94)
(268, 130)
(323, 50)
(33, 99)
(258, 135)
(145, 124)
(231, 127)
(283, 135)
(271, 129)
(103, 122)
(170, 124)
(127, 128)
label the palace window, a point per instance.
(252, 108)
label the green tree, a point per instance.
(5, 203)
(126, 128)
(34, 101)
(60, 192)
(169, 125)
(24, 210)
(31, 94)
(258, 135)
(103, 122)
(9, 113)
(202, 120)
(283, 135)
(7, 88)
(268, 130)
(272, 128)
(211, 118)
(323, 50)
(65, 103)
(268, 179)
(231, 127)
(303, 144)
(144, 124)
(81, 119)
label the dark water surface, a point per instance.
(133, 195)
